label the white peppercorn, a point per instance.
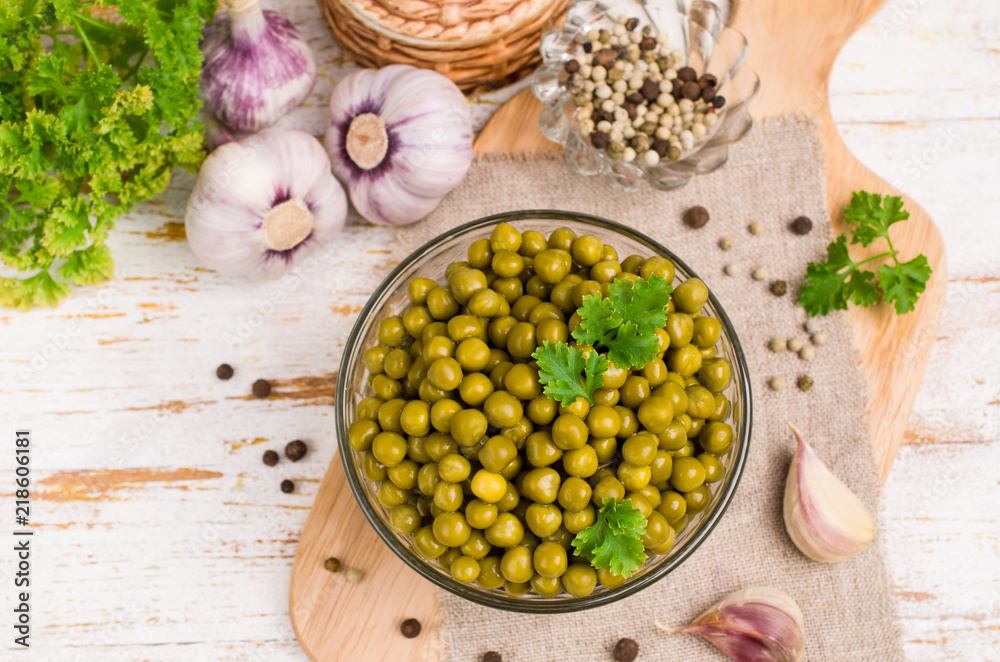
(598, 74)
(354, 575)
(777, 383)
(699, 130)
(810, 326)
(807, 353)
(756, 227)
(819, 338)
(794, 344)
(777, 344)
(651, 158)
(759, 273)
(726, 243)
(629, 155)
(731, 269)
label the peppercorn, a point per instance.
(777, 383)
(727, 243)
(731, 269)
(802, 225)
(332, 564)
(287, 486)
(626, 650)
(616, 150)
(606, 58)
(295, 450)
(759, 273)
(641, 143)
(674, 153)
(687, 74)
(756, 227)
(649, 128)
(718, 101)
(794, 344)
(224, 371)
(777, 344)
(599, 139)
(492, 656)
(647, 44)
(779, 288)
(261, 388)
(410, 628)
(807, 353)
(571, 66)
(819, 338)
(804, 383)
(707, 93)
(354, 575)
(708, 80)
(650, 89)
(636, 98)
(603, 36)
(661, 146)
(615, 74)
(603, 116)
(690, 90)
(631, 109)
(588, 47)
(632, 23)
(696, 217)
(270, 458)
(678, 85)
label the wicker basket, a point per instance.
(479, 44)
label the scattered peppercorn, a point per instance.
(295, 450)
(354, 575)
(810, 326)
(727, 243)
(270, 458)
(410, 628)
(804, 383)
(777, 344)
(492, 656)
(807, 353)
(332, 564)
(224, 371)
(777, 383)
(626, 650)
(779, 288)
(756, 227)
(731, 269)
(819, 338)
(802, 225)
(261, 388)
(759, 274)
(287, 486)
(696, 217)
(794, 344)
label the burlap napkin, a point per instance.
(774, 175)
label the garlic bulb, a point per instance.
(263, 202)
(824, 518)
(757, 624)
(400, 138)
(256, 67)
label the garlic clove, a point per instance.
(823, 517)
(256, 67)
(756, 624)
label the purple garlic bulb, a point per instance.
(256, 68)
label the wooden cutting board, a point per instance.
(792, 46)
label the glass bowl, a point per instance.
(709, 47)
(430, 261)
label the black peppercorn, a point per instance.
(626, 650)
(270, 458)
(224, 371)
(332, 564)
(650, 89)
(686, 74)
(696, 217)
(647, 44)
(802, 225)
(603, 116)
(804, 383)
(718, 101)
(410, 628)
(287, 486)
(631, 24)
(606, 58)
(599, 139)
(691, 90)
(635, 97)
(779, 288)
(295, 450)
(708, 80)
(587, 47)
(631, 109)
(571, 66)
(261, 388)
(708, 93)
(661, 147)
(492, 656)
(678, 84)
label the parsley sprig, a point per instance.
(614, 541)
(830, 285)
(94, 115)
(559, 368)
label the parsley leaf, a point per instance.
(625, 322)
(559, 368)
(832, 284)
(95, 111)
(614, 541)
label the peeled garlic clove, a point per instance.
(823, 517)
(757, 624)
(256, 66)
(263, 203)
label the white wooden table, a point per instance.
(160, 534)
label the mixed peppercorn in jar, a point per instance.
(474, 439)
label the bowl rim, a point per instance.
(498, 600)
